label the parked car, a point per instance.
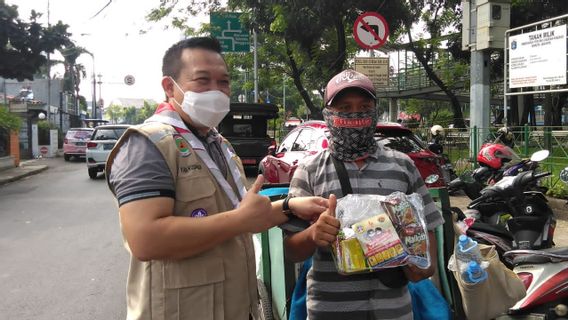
(312, 136)
(75, 142)
(102, 141)
(246, 128)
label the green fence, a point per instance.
(527, 140)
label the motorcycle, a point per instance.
(510, 165)
(510, 216)
(524, 245)
(545, 276)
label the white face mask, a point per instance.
(206, 108)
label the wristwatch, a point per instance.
(286, 208)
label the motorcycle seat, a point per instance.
(549, 255)
(496, 230)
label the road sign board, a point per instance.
(44, 150)
(370, 30)
(227, 28)
(377, 69)
(129, 80)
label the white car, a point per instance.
(98, 148)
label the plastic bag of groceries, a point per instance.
(380, 232)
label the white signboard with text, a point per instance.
(377, 69)
(538, 58)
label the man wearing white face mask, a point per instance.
(185, 214)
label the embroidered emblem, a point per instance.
(182, 146)
(199, 213)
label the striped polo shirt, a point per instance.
(361, 296)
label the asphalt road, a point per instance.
(61, 253)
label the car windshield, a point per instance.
(79, 134)
(108, 133)
(399, 141)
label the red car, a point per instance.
(312, 136)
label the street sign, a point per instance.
(44, 150)
(538, 58)
(129, 80)
(370, 30)
(377, 69)
(227, 28)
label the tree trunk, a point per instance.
(548, 110)
(528, 116)
(296, 76)
(456, 106)
(514, 114)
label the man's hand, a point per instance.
(308, 208)
(256, 209)
(324, 231)
(415, 274)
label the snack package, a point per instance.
(380, 232)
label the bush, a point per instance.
(558, 190)
(9, 121)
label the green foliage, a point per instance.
(23, 44)
(558, 190)
(43, 128)
(130, 114)
(9, 121)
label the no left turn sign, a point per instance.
(129, 80)
(370, 30)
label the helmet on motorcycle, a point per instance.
(505, 135)
(437, 130)
(494, 155)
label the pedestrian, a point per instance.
(351, 116)
(185, 214)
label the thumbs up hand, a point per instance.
(324, 231)
(256, 209)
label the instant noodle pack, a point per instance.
(380, 232)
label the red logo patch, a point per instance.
(351, 123)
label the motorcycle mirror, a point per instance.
(564, 175)
(540, 155)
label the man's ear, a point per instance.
(168, 86)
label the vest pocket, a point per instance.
(195, 195)
(193, 288)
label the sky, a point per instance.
(115, 41)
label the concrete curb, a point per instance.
(11, 175)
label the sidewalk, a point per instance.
(26, 168)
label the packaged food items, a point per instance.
(380, 232)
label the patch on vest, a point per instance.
(182, 145)
(199, 213)
(190, 168)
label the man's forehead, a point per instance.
(198, 59)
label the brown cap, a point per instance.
(347, 79)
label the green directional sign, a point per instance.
(226, 27)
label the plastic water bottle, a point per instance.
(467, 251)
(474, 273)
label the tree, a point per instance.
(306, 40)
(114, 113)
(23, 44)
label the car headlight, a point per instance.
(432, 178)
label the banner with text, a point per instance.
(377, 69)
(538, 58)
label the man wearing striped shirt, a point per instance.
(351, 116)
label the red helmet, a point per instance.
(494, 155)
